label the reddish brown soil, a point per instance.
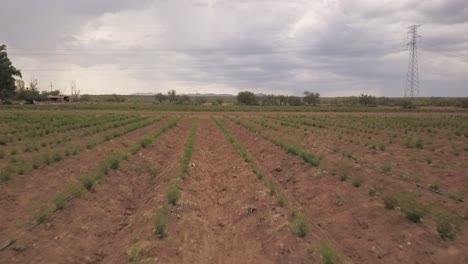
(447, 170)
(357, 224)
(214, 224)
(225, 214)
(88, 230)
(27, 193)
(371, 176)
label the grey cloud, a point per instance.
(341, 47)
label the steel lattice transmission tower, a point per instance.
(412, 76)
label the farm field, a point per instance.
(93, 186)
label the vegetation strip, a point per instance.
(90, 179)
(387, 171)
(173, 193)
(307, 156)
(448, 224)
(71, 149)
(298, 222)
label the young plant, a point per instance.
(281, 200)
(160, 222)
(60, 201)
(87, 182)
(448, 225)
(173, 194)
(357, 182)
(387, 167)
(134, 253)
(328, 254)
(299, 225)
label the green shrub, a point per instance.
(57, 156)
(357, 182)
(387, 167)
(87, 182)
(160, 223)
(390, 201)
(134, 253)
(281, 200)
(74, 190)
(372, 191)
(328, 254)
(145, 142)
(173, 194)
(299, 225)
(43, 214)
(411, 207)
(60, 201)
(434, 186)
(448, 225)
(419, 144)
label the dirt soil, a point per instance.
(225, 214)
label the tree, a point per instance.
(367, 100)
(282, 99)
(172, 96)
(7, 75)
(247, 98)
(29, 94)
(311, 98)
(294, 100)
(160, 97)
(200, 100)
(182, 99)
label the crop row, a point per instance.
(86, 181)
(447, 224)
(299, 224)
(356, 151)
(39, 125)
(24, 165)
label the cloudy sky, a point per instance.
(337, 48)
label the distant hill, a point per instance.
(205, 95)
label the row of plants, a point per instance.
(88, 180)
(25, 165)
(387, 167)
(448, 224)
(42, 124)
(57, 140)
(298, 221)
(173, 194)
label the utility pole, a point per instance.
(412, 76)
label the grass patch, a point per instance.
(173, 194)
(145, 142)
(390, 202)
(387, 167)
(357, 182)
(60, 201)
(188, 150)
(448, 225)
(87, 182)
(299, 225)
(160, 222)
(328, 254)
(43, 214)
(134, 253)
(281, 200)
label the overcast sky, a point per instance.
(337, 48)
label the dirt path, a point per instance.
(79, 233)
(357, 224)
(226, 214)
